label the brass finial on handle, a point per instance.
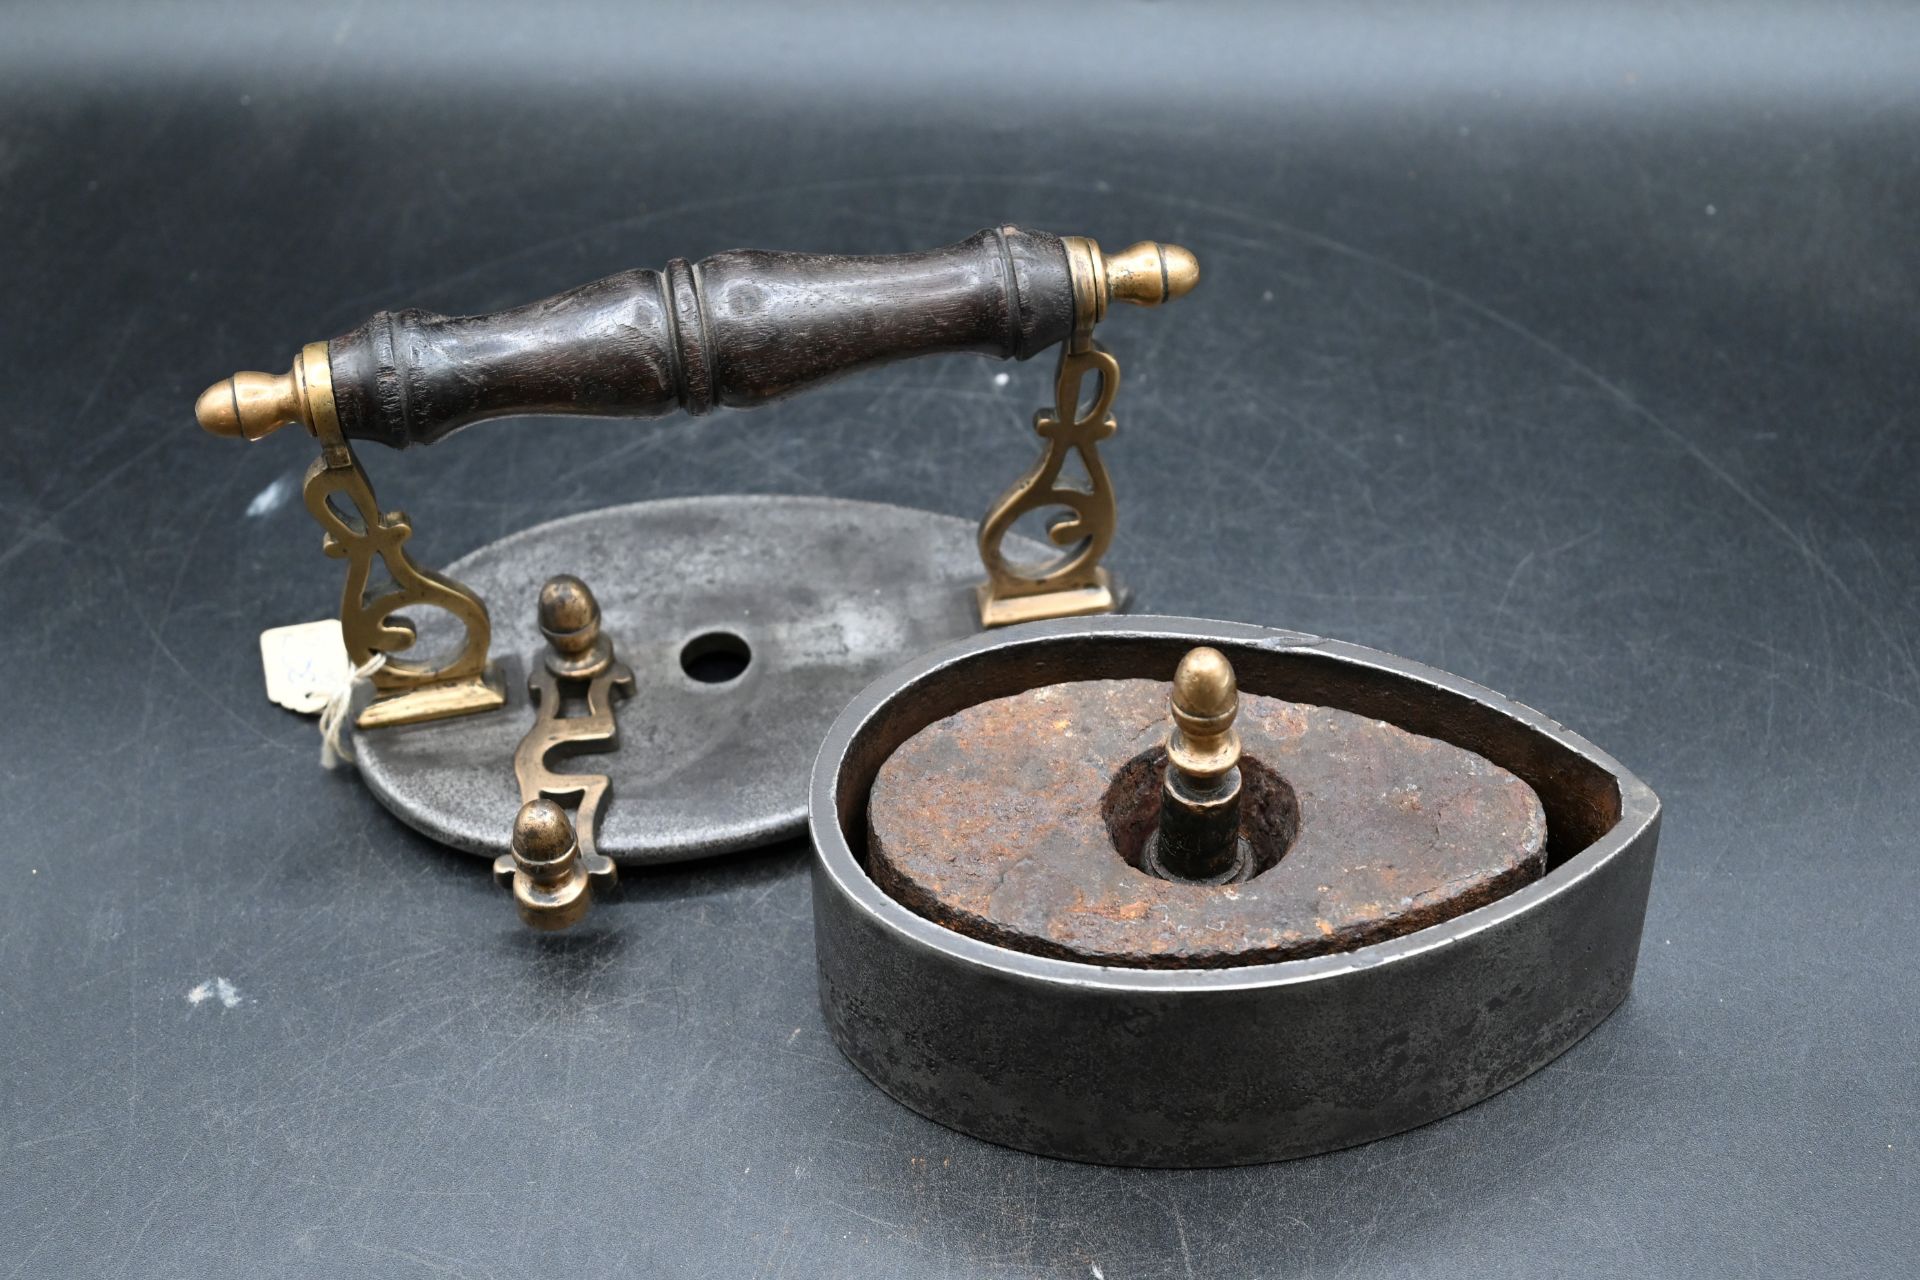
(1150, 273)
(249, 405)
(1146, 274)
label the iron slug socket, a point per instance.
(1315, 1010)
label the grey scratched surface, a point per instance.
(1571, 349)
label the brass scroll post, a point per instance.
(339, 496)
(1146, 274)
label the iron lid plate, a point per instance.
(825, 593)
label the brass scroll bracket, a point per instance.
(339, 496)
(555, 866)
(1075, 585)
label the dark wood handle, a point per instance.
(741, 329)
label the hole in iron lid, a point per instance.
(715, 657)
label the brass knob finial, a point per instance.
(1204, 702)
(570, 620)
(1145, 274)
(550, 885)
(544, 846)
(251, 405)
(1150, 273)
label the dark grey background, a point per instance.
(1570, 348)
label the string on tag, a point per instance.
(334, 747)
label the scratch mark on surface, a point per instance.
(271, 498)
(1802, 545)
(42, 529)
(216, 988)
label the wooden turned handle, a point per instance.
(740, 329)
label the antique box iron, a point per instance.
(1169, 892)
(1156, 891)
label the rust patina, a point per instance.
(1021, 820)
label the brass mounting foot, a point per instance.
(439, 701)
(1097, 596)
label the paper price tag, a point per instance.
(305, 664)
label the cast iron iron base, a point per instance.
(1223, 1066)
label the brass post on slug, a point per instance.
(1199, 836)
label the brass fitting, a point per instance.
(1203, 744)
(249, 406)
(1145, 274)
(550, 886)
(570, 620)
